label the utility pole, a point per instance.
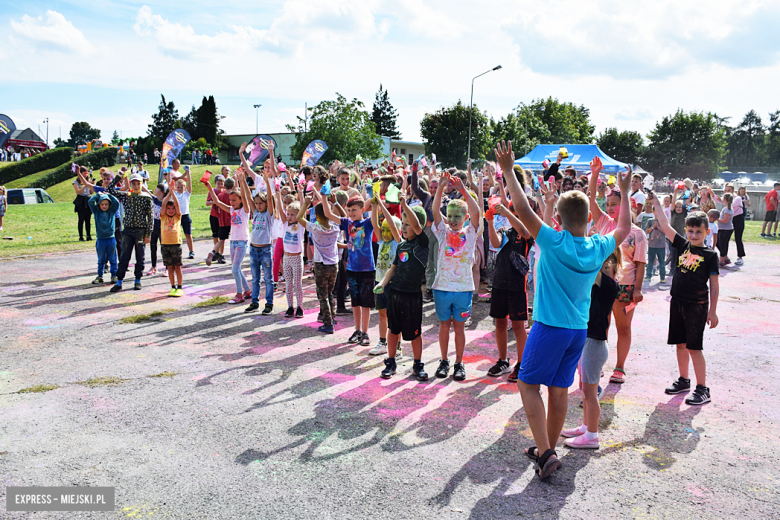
(47, 132)
(257, 118)
(305, 116)
(471, 107)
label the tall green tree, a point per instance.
(82, 133)
(687, 144)
(558, 122)
(346, 128)
(773, 140)
(115, 137)
(164, 121)
(384, 116)
(446, 133)
(627, 146)
(746, 142)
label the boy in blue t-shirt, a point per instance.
(360, 264)
(566, 270)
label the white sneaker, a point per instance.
(468, 322)
(381, 348)
(739, 261)
(398, 354)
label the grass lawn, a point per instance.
(26, 181)
(53, 227)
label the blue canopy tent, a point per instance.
(580, 156)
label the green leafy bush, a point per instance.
(45, 161)
(94, 160)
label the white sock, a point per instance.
(591, 436)
(582, 429)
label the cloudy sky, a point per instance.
(629, 62)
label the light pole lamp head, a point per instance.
(496, 68)
(257, 106)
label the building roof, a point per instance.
(26, 135)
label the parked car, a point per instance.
(28, 196)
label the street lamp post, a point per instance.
(47, 132)
(257, 118)
(471, 106)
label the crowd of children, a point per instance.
(407, 234)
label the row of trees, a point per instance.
(689, 144)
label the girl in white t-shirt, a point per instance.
(292, 264)
(239, 236)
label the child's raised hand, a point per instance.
(458, 185)
(596, 166)
(624, 180)
(504, 156)
(501, 210)
(242, 148)
(549, 194)
(402, 198)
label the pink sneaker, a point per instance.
(582, 442)
(572, 432)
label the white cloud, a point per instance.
(643, 39)
(300, 25)
(53, 32)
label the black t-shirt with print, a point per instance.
(411, 258)
(601, 300)
(692, 271)
(506, 277)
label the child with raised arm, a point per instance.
(401, 286)
(595, 354)
(183, 188)
(634, 250)
(388, 241)
(239, 232)
(138, 228)
(508, 298)
(170, 238)
(691, 308)
(454, 283)
(324, 236)
(292, 263)
(566, 270)
(104, 207)
(360, 264)
(260, 257)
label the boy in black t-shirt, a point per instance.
(404, 297)
(690, 313)
(508, 298)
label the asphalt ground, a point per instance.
(262, 417)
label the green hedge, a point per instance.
(94, 160)
(45, 161)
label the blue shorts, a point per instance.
(455, 305)
(551, 355)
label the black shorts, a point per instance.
(770, 216)
(505, 303)
(380, 300)
(171, 255)
(214, 222)
(361, 288)
(686, 324)
(186, 224)
(404, 314)
(224, 232)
